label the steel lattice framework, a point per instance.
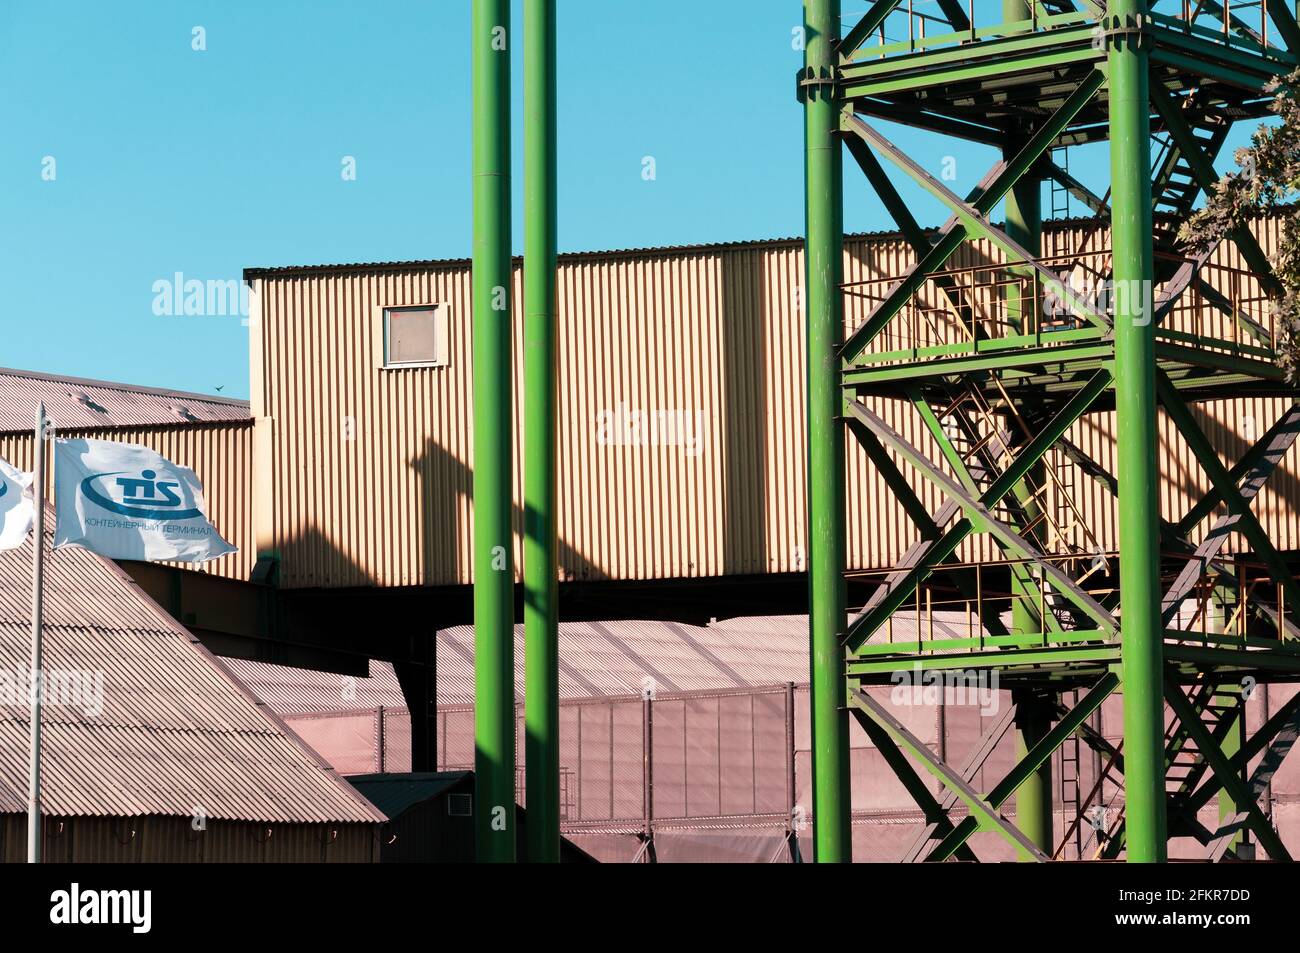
(1000, 360)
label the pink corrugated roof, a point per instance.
(597, 659)
(177, 732)
(76, 404)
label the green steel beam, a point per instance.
(980, 508)
(980, 752)
(945, 55)
(1170, 350)
(894, 479)
(541, 569)
(1228, 734)
(826, 494)
(1285, 720)
(1289, 421)
(1024, 227)
(1022, 580)
(980, 642)
(1008, 660)
(989, 817)
(1139, 474)
(1247, 523)
(1034, 796)
(1223, 771)
(1201, 657)
(980, 203)
(1284, 19)
(1168, 106)
(975, 223)
(1032, 760)
(866, 27)
(494, 577)
(868, 623)
(935, 814)
(1057, 358)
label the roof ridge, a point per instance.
(119, 386)
(601, 254)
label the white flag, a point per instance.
(16, 509)
(124, 501)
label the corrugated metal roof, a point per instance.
(75, 403)
(598, 255)
(597, 659)
(296, 691)
(175, 732)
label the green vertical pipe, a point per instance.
(1024, 223)
(824, 254)
(1034, 796)
(1135, 405)
(541, 609)
(1228, 698)
(494, 704)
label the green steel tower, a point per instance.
(968, 378)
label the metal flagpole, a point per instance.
(37, 681)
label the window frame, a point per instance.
(442, 328)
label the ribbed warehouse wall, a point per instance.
(367, 474)
(220, 454)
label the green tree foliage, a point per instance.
(1267, 181)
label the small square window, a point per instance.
(460, 805)
(415, 337)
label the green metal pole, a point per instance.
(1034, 796)
(1229, 700)
(1024, 223)
(826, 517)
(541, 609)
(1135, 404)
(494, 702)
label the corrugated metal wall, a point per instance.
(172, 840)
(219, 453)
(368, 474)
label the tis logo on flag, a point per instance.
(127, 502)
(145, 497)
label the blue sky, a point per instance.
(168, 159)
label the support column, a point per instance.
(826, 516)
(1034, 797)
(541, 609)
(494, 576)
(1135, 404)
(419, 685)
(1230, 699)
(1024, 224)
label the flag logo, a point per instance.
(143, 497)
(125, 501)
(16, 509)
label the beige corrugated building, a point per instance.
(682, 422)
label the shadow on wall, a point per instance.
(743, 347)
(448, 494)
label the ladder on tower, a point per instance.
(1071, 793)
(1060, 194)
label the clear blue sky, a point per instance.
(171, 160)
